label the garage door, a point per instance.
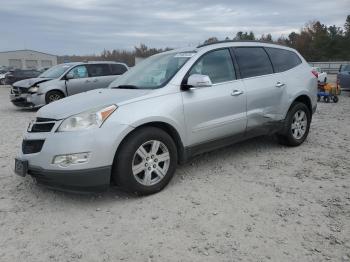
(15, 63)
(46, 63)
(31, 64)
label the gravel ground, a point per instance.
(254, 201)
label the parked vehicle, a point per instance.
(343, 77)
(137, 131)
(64, 80)
(19, 74)
(321, 75)
(2, 76)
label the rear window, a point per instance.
(284, 60)
(253, 61)
(98, 70)
(118, 69)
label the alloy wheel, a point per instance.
(299, 124)
(151, 162)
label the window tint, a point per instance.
(99, 70)
(284, 60)
(79, 72)
(118, 69)
(253, 61)
(217, 65)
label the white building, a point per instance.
(27, 59)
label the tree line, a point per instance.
(315, 41)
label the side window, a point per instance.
(284, 60)
(253, 61)
(118, 69)
(217, 65)
(79, 72)
(99, 70)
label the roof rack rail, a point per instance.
(237, 41)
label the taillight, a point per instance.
(314, 72)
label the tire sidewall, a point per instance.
(122, 169)
(288, 128)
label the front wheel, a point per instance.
(297, 125)
(53, 96)
(146, 161)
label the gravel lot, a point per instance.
(254, 201)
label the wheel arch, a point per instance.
(166, 127)
(305, 99)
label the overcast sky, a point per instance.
(88, 26)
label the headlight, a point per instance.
(33, 89)
(87, 120)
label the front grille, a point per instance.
(42, 119)
(18, 90)
(32, 146)
(42, 125)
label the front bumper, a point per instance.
(86, 180)
(28, 100)
(93, 175)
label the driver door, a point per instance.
(80, 81)
(217, 111)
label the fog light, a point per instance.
(71, 159)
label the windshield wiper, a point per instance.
(127, 87)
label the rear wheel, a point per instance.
(297, 125)
(146, 161)
(335, 99)
(53, 96)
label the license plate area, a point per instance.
(21, 167)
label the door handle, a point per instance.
(95, 80)
(280, 84)
(87, 81)
(236, 93)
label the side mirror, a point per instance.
(198, 81)
(69, 76)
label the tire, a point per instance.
(318, 98)
(335, 99)
(53, 96)
(326, 99)
(141, 174)
(295, 137)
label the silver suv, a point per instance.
(64, 80)
(167, 109)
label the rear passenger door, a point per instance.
(100, 75)
(264, 89)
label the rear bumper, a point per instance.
(85, 180)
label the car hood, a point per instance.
(76, 104)
(26, 83)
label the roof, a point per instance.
(21, 50)
(240, 41)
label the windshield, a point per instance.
(55, 72)
(154, 72)
(345, 68)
